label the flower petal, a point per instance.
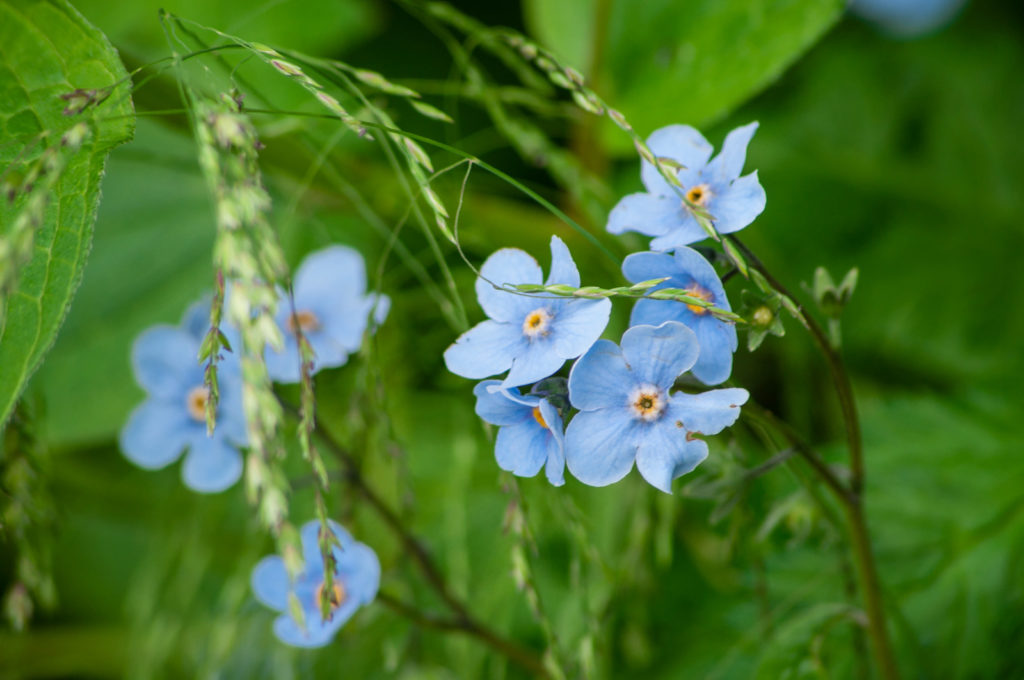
(681, 143)
(328, 351)
(156, 433)
(600, 378)
(522, 448)
(211, 465)
(498, 407)
(638, 267)
(718, 342)
(665, 453)
(359, 570)
(600, 446)
(728, 164)
(318, 632)
(536, 361)
(310, 538)
(739, 205)
(196, 319)
(165, 360)
(708, 412)
(660, 354)
(284, 366)
(512, 266)
(333, 273)
(657, 312)
(270, 581)
(554, 468)
(230, 414)
(485, 350)
(647, 214)
(688, 231)
(563, 269)
(577, 325)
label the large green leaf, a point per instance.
(48, 49)
(663, 61)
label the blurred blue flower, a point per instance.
(908, 18)
(732, 201)
(627, 412)
(688, 270)
(530, 434)
(356, 579)
(331, 309)
(532, 335)
(173, 417)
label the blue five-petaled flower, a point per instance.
(356, 581)
(530, 434)
(715, 186)
(688, 270)
(628, 413)
(331, 310)
(173, 417)
(531, 335)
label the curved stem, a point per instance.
(464, 620)
(471, 627)
(840, 378)
(851, 497)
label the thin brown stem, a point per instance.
(841, 379)
(463, 620)
(852, 497)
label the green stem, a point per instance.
(852, 498)
(464, 621)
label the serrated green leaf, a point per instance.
(680, 62)
(47, 49)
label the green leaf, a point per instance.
(47, 49)
(665, 62)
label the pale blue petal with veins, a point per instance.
(629, 414)
(529, 336)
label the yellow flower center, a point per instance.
(539, 417)
(196, 402)
(536, 323)
(337, 595)
(303, 320)
(701, 293)
(699, 194)
(647, 402)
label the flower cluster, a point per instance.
(356, 578)
(331, 310)
(619, 405)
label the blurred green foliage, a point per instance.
(894, 157)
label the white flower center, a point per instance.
(196, 402)
(647, 402)
(537, 323)
(303, 320)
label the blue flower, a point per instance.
(530, 434)
(356, 579)
(732, 201)
(687, 269)
(173, 417)
(531, 335)
(331, 309)
(627, 412)
(908, 18)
